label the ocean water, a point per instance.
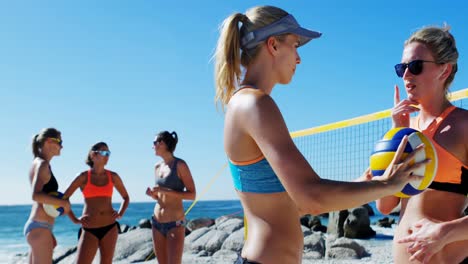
(13, 218)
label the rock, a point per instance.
(235, 241)
(310, 221)
(311, 255)
(315, 242)
(199, 243)
(342, 253)
(194, 236)
(357, 224)
(144, 223)
(305, 219)
(216, 241)
(132, 246)
(225, 255)
(369, 209)
(385, 222)
(305, 231)
(199, 223)
(229, 225)
(343, 248)
(123, 228)
(62, 255)
(319, 228)
(335, 222)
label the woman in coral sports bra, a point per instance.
(99, 219)
(428, 67)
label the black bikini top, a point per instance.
(52, 185)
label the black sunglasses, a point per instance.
(415, 67)
(157, 141)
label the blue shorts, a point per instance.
(32, 224)
(164, 228)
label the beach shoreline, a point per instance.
(378, 251)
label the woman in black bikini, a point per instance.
(174, 183)
(38, 228)
(100, 228)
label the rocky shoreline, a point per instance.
(219, 240)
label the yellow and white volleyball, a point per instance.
(54, 210)
(385, 150)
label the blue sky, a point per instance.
(120, 71)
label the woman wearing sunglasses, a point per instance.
(99, 219)
(38, 229)
(174, 183)
(275, 183)
(428, 67)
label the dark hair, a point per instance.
(170, 139)
(39, 139)
(95, 147)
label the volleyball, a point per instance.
(54, 210)
(385, 150)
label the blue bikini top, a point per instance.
(255, 176)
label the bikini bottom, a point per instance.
(164, 228)
(100, 232)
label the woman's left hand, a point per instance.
(426, 240)
(116, 215)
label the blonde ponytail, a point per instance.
(228, 58)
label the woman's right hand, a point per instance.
(400, 171)
(402, 109)
(152, 192)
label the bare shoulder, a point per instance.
(113, 174)
(41, 169)
(82, 176)
(181, 163)
(249, 99)
(40, 164)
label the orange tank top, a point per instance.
(450, 170)
(90, 190)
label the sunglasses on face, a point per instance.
(57, 140)
(415, 67)
(156, 141)
(104, 153)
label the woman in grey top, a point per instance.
(173, 184)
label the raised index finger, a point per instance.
(396, 97)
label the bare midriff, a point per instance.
(435, 205)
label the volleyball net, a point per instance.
(340, 151)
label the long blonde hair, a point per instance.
(228, 55)
(442, 46)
